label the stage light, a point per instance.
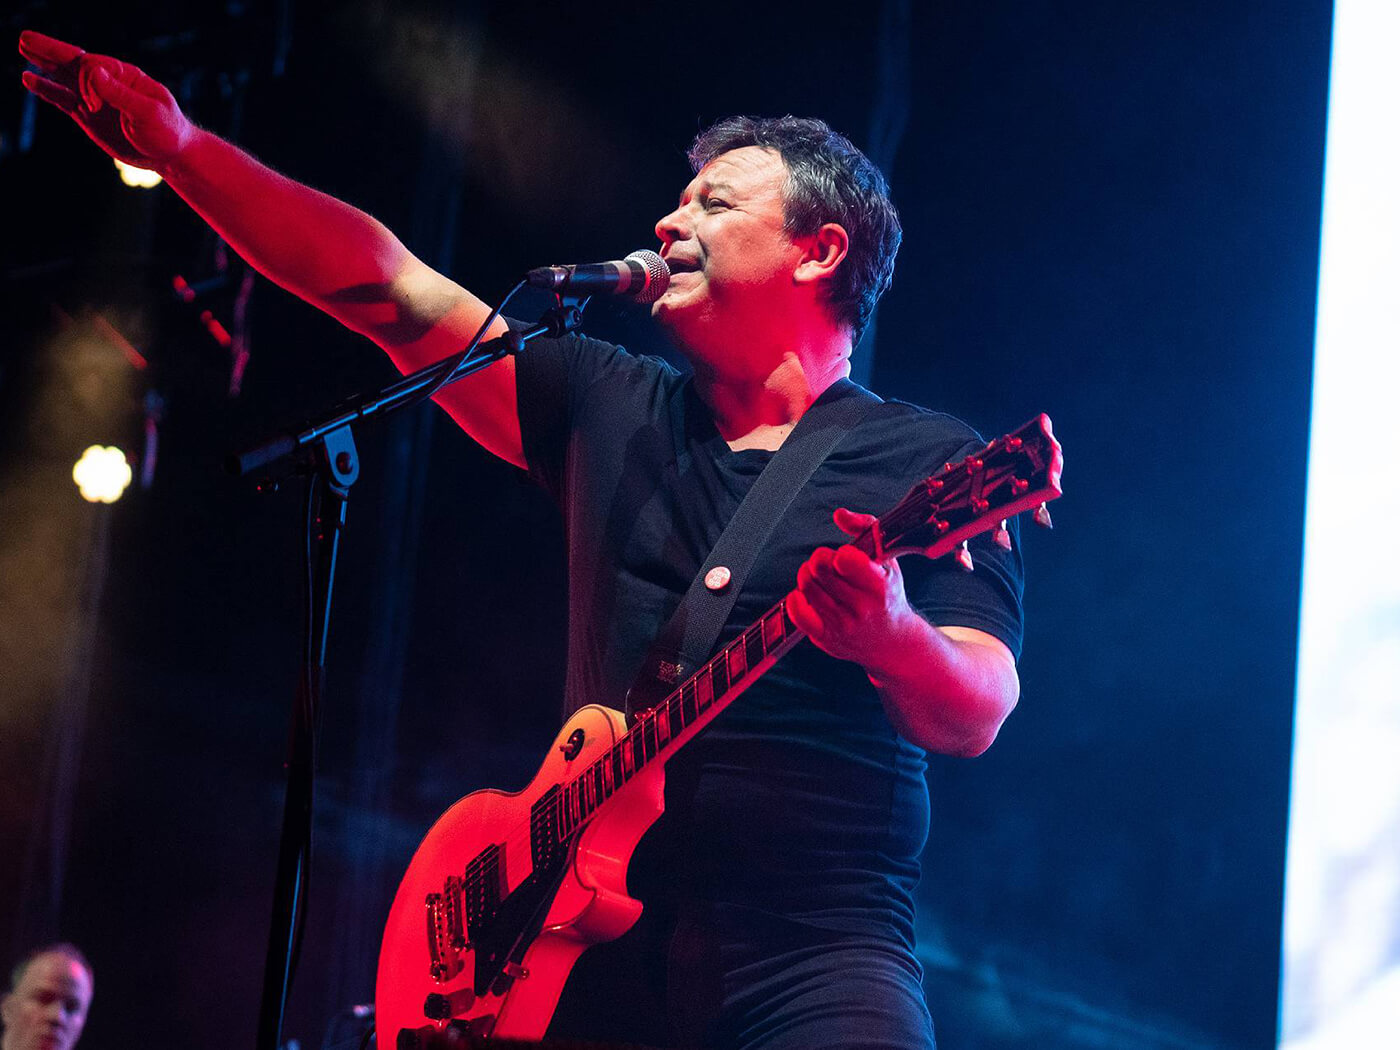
(1341, 971)
(141, 178)
(102, 474)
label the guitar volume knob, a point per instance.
(436, 1007)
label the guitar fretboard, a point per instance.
(656, 731)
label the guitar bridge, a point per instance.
(445, 944)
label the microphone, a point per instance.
(642, 276)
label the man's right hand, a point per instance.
(131, 116)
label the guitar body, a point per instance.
(546, 917)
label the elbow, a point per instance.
(977, 743)
(977, 735)
(986, 733)
(959, 716)
(957, 741)
(997, 703)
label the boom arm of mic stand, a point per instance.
(557, 321)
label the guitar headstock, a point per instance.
(1016, 472)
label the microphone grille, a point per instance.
(658, 276)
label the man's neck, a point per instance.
(760, 409)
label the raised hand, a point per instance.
(131, 116)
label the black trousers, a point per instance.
(723, 977)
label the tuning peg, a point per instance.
(1042, 517)
(963, 557)
(1001, 537)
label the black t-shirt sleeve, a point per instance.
(552, 378)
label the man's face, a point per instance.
(47, 1009)
(725, 243)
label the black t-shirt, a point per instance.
(800, 798)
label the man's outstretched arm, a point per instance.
(321, 249)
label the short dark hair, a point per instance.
(829, 180)
(59, 948)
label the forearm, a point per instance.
(942, 693)
(350, 265)
(317, 247)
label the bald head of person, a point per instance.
(47, 1004)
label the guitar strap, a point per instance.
(689, 636)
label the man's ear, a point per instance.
(7, 1007)
(822, 253)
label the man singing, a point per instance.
(778, 886)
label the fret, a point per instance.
(753, 645)
(704, 690)
(629, 755)
(737, 667)
(675, 710)
(718, 677)
(771, 627)
(649, 746)
(662, 721)
(600, 789)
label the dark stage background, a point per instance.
(1111, 215)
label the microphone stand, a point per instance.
(326, 451)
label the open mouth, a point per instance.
(677, 265)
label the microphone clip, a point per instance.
(565, 315)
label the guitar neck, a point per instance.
(659, 732)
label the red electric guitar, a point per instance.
(507, 890)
